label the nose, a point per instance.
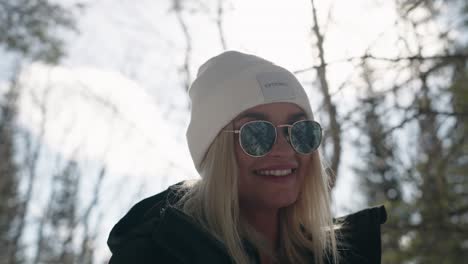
(281, 148)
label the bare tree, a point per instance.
(219, 23)
(30, 28)
(178, 9)
(432, 164)
(58, 225)
(63, 225)
(87, 247)
(9, 174)
(31, 159)
(330, 107)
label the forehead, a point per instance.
(280, 112)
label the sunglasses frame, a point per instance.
(288, 136)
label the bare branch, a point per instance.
(444, 113)
(329, 19)
(177, 7)
(40, 229)
(9, 171)
(85, 250)
(31, 161)
(219, 23)
(329, 105)
(460, 56)
(459, 211)
(96, 192)
(426, 227)
(402, 123)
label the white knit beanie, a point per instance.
(227, 85)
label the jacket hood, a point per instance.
(154, 229)
(138, 222)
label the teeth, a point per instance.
(275, 172)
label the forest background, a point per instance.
(94, 107)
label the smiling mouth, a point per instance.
(276, 173)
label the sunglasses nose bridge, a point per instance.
(285, 132)
(282, 141)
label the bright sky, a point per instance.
(117, 96)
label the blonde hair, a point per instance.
(306, 226)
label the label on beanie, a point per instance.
(276, 86)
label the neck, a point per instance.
(265, 222)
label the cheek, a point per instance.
(241, 157)
(244, 163)
(305, 163)
(243, 160)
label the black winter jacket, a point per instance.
(155, 232)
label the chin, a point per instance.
(270, 192)
(288, 202)
(283, 200)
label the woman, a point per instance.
(263, 196)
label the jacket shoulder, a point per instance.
(359, 236)
(132, 233)
(154, 231)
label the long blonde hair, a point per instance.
(306, 226)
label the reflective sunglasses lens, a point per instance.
(257, 138)
(306, 136)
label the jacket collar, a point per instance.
(188, 240)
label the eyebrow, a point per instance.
(261, 116)
(253, 115)
(297, 116)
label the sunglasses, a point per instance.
(257, 138)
